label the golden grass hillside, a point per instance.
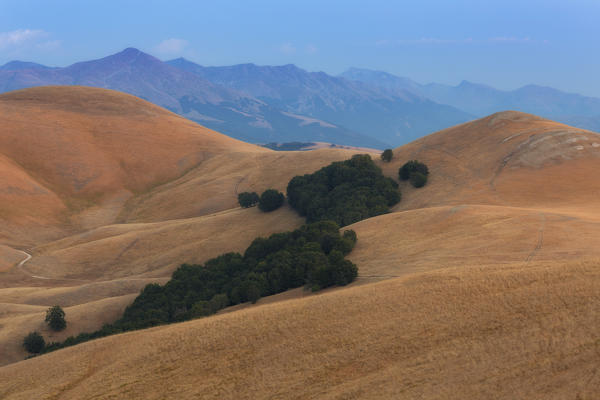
(509, 158)
(491, 276)
(65, 148)
(108, 192)
(464, 333)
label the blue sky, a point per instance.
(502, 43)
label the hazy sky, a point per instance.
(502, 43)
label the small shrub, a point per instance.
(418, 180)
(248, 199)
(34, 343)
(270, 200)
(55, 318)
(411, 167)
(387, 155)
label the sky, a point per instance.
(505, 44)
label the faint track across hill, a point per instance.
(540, 241)
(27, 258)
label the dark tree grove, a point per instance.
(270, 200)
(248, 199)
(344, 192)
(55, 318)
(412, 167)
(387, 155)
(312, 255)
(34, 343)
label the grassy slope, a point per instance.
(510, 204)
(461, 333)
(111, 157)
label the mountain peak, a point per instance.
(17, 65)
(131, 54)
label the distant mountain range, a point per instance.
(481, 100)
(263, 104)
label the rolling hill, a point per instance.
(488, 275)
(109, 190)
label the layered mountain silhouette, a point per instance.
(480, 100)
(216, 106)
(394, 117)
(262, 104)
(253, 103)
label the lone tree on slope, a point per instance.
(34, 343)
(387, 155)
(55, 318)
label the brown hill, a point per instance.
(508, 221)
(468, 333)
(508, 158)
(64, 149)
(74, 161)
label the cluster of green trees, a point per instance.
(55, 318)
(312, 255)
(270, 200)
(414, 171)
(248, 199)
(344, 192)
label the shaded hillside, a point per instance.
(216, 106)
(393, 117)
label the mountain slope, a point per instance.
(231, 112)
(481, 100)
(20, 65)
(394, 117)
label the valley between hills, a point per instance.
(482, 284)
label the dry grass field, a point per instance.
(108, 193)
(463, 333)
(484, 284)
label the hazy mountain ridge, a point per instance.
(479, 99)
(215, 106)
(392, 116)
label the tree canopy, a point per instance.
(55, 318)
(410, 168)
(387, 155)
(248, 199)
(34, 343)
(312, 255)
(270, 200)
(344, 192)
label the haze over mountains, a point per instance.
(263, 104)
(481, 100)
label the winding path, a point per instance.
(27, 258)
